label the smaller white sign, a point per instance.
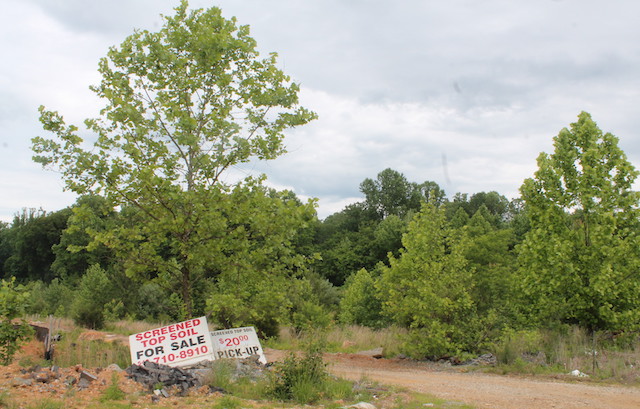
(181, 344)
(237, 343)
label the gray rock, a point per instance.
(114, 367)
(376, 353)
(70, 380)
(362, 405)
(486, 360)
(83, 383)
(88, 377)
(22, 382)
(161, 393)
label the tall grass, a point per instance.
(125, 327)
(73, 350)
(347, 339)
(566, 350)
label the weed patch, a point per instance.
(73, 350)
(299, 379)
(113, 391)
(561, 351)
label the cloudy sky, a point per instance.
(463, 93)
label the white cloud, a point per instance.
(462, 93)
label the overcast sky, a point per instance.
(463, 93)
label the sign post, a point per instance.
(181, 344)
(237, 343)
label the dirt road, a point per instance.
(483, 390)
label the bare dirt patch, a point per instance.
(484, 390)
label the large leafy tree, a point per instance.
(392, 194)
(28, 244)
(90, 215)
(581, 258)
(183, 106)
(428, 288)
(490, 253)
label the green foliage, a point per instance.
(225, 375)
(361, 303)
(564, 349)
(495, 208)
(12, 303)
(304, 379)
(73, 349)
(362, 235)
(183, 106)
(154, 304)
(428, 288)
(95, 291)
(255, 281)
(307, 314)
(392, 194)
(260, 302)
(344, 251)
(388, 237)
(490, 254)
(299, 379)
(267, 302)
(515, 345)
(27, 244)
(76, 251)
(5, 401)
(47, 404)
(327, 294)
(227, 402)
(54, 298)
(113, 391)
(580, 260)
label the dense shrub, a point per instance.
(12, 302)
(50, 299)
(361, 304)
(300, 379)
(95, 291)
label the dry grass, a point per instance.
(542, 351)
(131, 327)
(348, 339)
(75, 349)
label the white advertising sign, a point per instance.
(181, 344)
(237, 343)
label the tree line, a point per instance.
(158, 232)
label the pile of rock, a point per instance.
(162, 378)
(54, 377)
(483, 360)
(157, 376)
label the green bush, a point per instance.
(95, 291)
(361, 304)
(52, 299)
(264, 308)
(113, 391)
(12, 302)
(47, 404)
(156, 305)
(228, 402)
(302, 380)
(307, 314)
(515, 344)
